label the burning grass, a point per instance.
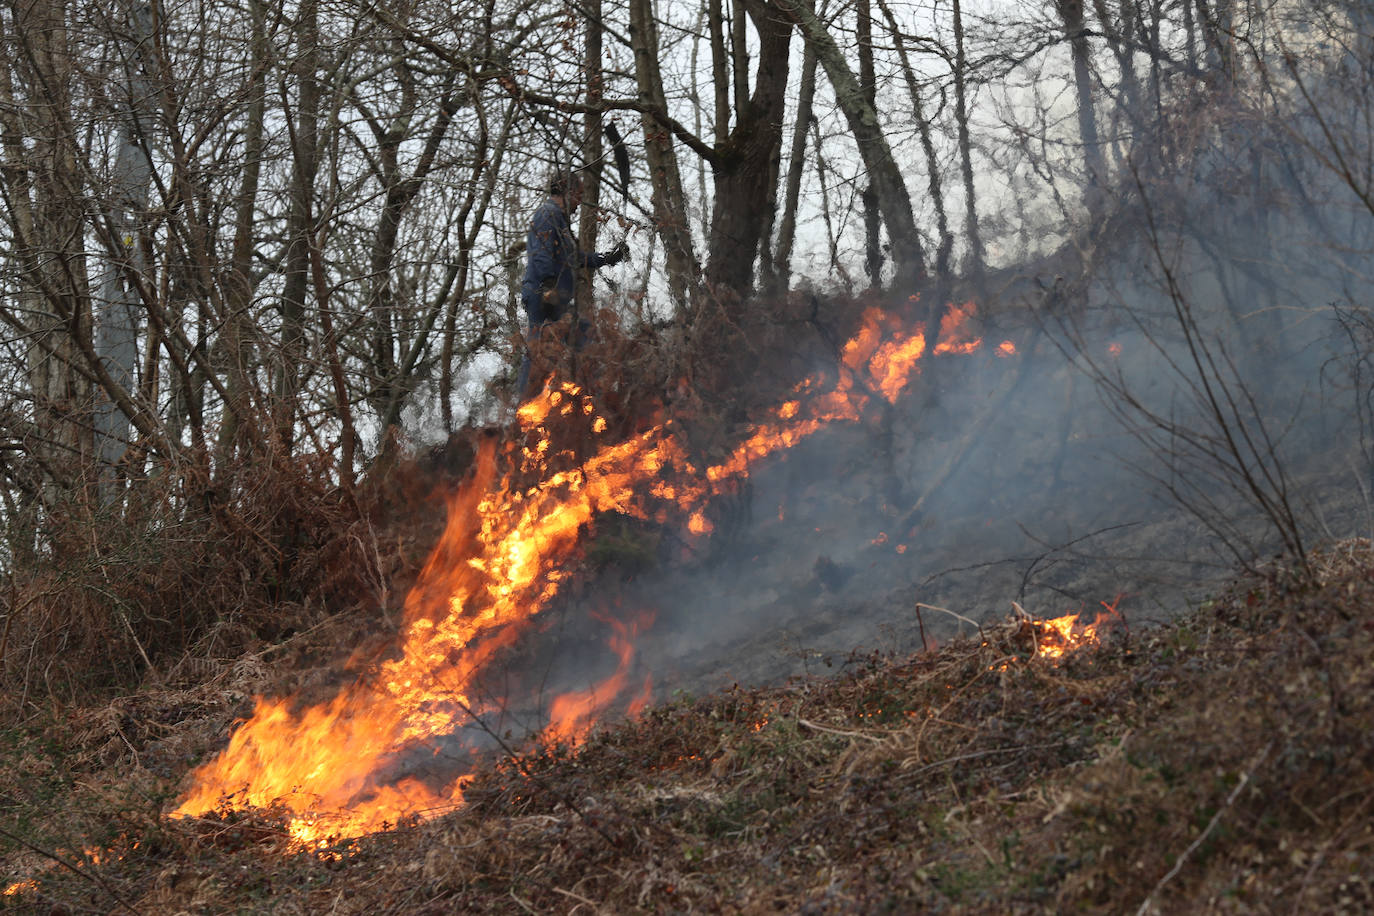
(1223, 762)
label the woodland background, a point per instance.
(256, 255)
(259, 271)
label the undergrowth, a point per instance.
(1223, 762)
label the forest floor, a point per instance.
(1220, 762)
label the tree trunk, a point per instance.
(116, 333)
(893, 200)
(589, 222)
(670, 209)
(975, 237)
(54, 289)
(781, 261)
(486, 165)
(395, 375)
(746, 167)
(937, 196)
(1071, 13)
(1217, 37)
(868, 83)
(239, 285)
(305, 149)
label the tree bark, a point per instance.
(868, 82)
(893, 200)
(54, 286)
(781, 261)
(117, 324)
(305, 149)
(975, 236)
(239, 285)
(589, 222)
(669, 206)
(1094, 164)
(937, 196)
(486, 167)
(395, 375)
(747, 163)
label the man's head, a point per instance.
(566, 185)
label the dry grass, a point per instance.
(1222, 763)
(181, 582)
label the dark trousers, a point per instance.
(537, 329)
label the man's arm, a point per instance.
(606, 259)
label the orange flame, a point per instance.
(956, 334)
(500, 561)
(572, 715)
(1061, 635)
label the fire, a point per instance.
(955, 333)
(503, 556)
(21, 887)
(1057, 637)
(573, 714)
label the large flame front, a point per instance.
(499, 562)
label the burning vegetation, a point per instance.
(501, 560)
(1221, 760)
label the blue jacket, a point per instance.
(553, 259)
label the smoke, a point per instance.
(1168, 400)
(1187, 399)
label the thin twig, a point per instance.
(988, 753)
(840, 732)
(590, 903)
(1211, 825)
(523, 904)
(955, 615)
(529, 774)
(89, 876)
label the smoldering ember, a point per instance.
(751, 457)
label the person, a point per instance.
(553, 257)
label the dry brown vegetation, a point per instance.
(1223, 762)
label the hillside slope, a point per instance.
(1223, 762)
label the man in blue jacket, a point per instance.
(550, 283)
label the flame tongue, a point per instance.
(500, 560)
(1059, 636)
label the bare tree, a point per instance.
(669, 205)
(895, 203)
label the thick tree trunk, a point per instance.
(117, 324)
(54, 286)
(781, 261)
(868, 82)
(746, 168)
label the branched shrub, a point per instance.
(179, 568)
